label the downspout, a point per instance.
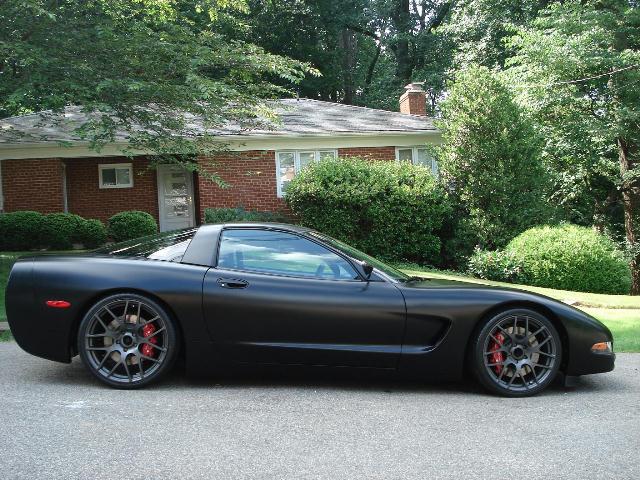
(65, 200)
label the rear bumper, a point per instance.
(38, 331)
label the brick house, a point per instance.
(42, 174)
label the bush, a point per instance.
(239, 214)
(22, 231)
(501, 266)
(31, 230)
(61, 230)
(569, 257)
(387, 209)
(131, 224)
(91, 233)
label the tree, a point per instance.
(490, 159)
(577, 70)
(478, 29)
(141, 67)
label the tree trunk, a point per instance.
(401, 17)
(630, 201)
(349, 45)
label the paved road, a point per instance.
(57, 422)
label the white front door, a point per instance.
(175, 198)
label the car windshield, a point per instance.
(167, 246)
(356, 254)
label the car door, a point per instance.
(279, 297)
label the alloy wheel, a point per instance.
(520, 353)
(126, 340)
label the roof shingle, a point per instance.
(298, 117)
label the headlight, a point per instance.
(602, 347)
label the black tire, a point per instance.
(516, 353)
(130, 326)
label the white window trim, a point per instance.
(296, 162)
(414, 155)
(107, 166)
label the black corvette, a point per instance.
(230, 294)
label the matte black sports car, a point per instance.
(279, 294)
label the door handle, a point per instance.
(232, 283)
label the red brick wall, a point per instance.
(251, 180)
(32, 185)
(88, 200)
(372, 153)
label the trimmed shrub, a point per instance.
(24, 230)
(501, 266)
(388, 209)
(91, 233)
(239, 214)
(27, 230)
(61, 230)
(569, 257)
(131, 224)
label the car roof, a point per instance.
(275, 225)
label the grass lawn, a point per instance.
(621, 313)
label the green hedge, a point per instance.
(92, 233)
(27, 230)
(501, 266)
(388, 209)
(22, 231)
(565, 257)
(239, 214)
(131, 224)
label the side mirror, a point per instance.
(368, 269)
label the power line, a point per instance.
(612, 72)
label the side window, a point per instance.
(280, 253)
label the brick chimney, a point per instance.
(414, 100)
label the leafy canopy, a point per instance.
(146, 66)
(490, 158)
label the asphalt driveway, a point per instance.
(57, 422)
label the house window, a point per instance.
(290, 162)
(417, 156)
(116, 175)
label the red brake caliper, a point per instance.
(496, 356)
(147, 331)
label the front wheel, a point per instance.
(517, 353)
(127, 341)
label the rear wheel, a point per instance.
(127, 341)
(517, 353)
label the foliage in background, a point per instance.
(577, 72)
(565, 257)
(387, 209)
(141, 68)
(490, 159)
(25, 230)
(239, 214)
(131, 224)
(477, 30)
(499, 265)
